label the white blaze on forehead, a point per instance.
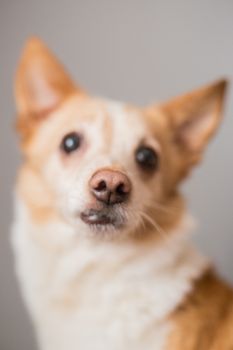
(127, 126)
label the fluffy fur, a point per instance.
(100, 286)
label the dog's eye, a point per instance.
(71, 142)
(147, 158)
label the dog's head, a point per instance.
(104, 166)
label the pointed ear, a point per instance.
(194, 118)
(41, 81)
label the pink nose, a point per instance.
(110, 186)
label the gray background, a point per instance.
(137, 51)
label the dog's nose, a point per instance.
(110, 186)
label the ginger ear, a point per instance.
(195, 117)
(41, 81)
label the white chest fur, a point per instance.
(84, 294)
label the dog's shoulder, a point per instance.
(204, 321)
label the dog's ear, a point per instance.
(41, 82)
(189, 121)
(193, 119)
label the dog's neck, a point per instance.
(164, 256)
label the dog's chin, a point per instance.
(105, 220)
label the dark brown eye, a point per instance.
(71, 142)
(147, 158)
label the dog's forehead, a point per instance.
(112, 125)
(127, 124)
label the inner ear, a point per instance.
(41, 81)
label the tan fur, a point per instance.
(50, 106)
(204, 321)
(31, 186)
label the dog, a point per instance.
(101, 231)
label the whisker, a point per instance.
(155, 225)
(158, 206)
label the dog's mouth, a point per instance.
(102, 218)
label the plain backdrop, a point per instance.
(138, 51)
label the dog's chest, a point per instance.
(100, 296)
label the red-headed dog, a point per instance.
(100, 230)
